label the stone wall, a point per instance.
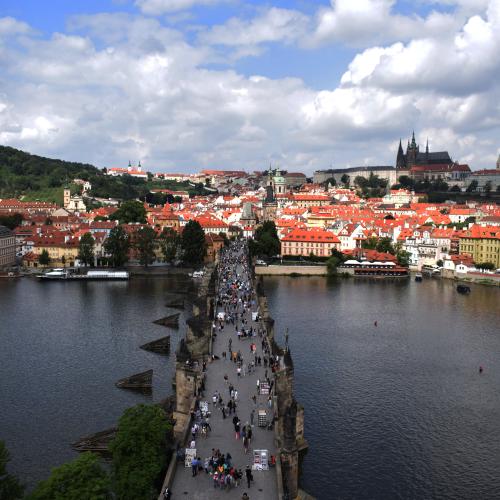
(288, 270)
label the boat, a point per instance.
(418, 277)
(67, 274)
(463, 289)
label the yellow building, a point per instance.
(482, 243)
(57, 247)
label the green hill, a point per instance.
(37, 178)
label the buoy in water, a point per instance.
(480, 369)
(375, 323)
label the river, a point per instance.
(63, 346)
(393, 411)
(397, 410)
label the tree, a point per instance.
(488, 187)
(44, 258)
(223, 235)
(194, 247)
(455, 189)
(145, 243)
(63, 260)
(11, 221)
(486, 265)
(345, 179)
(406, 181)
(385, 245)
(169, 243)
(403, 258)
(10, 487)
(130, 211)
(86, 249)
(265, 241)
(139, 452)
(83, 478)
(472, 186)
(117, 245)
(370, 243)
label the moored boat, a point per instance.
(463, 289)
(66, 274)
(418, 277)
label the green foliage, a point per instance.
(11, 221)
(130, 211)
(194, 247)
(86, 249)
(169, 243)
(10, 487)
(403, 258)
(44, 258)
(345, 179)
(82, 479)
(336, 259)
(472, 186)
(39, 178)
(117, 245)
(486, 265)
(139, 452)
(379, 244)
(265, 242)
(372, 187)
(145, 244)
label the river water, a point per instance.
(63, 345)
(393, 411)
(398, 410)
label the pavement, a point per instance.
(222, 436)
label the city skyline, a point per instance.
(183, 85)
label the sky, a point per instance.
(182, 85)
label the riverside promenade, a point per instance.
(234, 291)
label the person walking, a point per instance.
(245, 497)
(248, 474)
(252, 416)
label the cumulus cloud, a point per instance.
(364, 22)
(462, 63)
(158, 7)
(117, 87)
(272, 25)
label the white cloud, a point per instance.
(464, 63)
(272, 25)
(10, 26)
(158, 7)
(362, 22)
(119, 87)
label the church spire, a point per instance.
(413, 142)
(498, 162)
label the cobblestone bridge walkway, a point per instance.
(234, 287)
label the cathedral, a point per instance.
(414, 157)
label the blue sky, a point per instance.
(196, 83)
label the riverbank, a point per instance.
(284, 270)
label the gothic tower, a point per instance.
(498, 162)
(400, 160)
(412, 152)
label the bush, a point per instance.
(139, 452)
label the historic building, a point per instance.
(428, 165)
(382, 172)
(7, 247)
(306, 242)
(482, 243)
(73, 203)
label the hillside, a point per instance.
(37, 178)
